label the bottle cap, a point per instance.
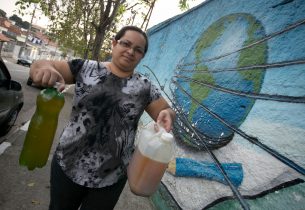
(167, 137)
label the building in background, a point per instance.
(16, 43)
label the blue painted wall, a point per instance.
(280, 125)
(209, 44)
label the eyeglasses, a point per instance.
(128, 45)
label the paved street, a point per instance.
(29, 190)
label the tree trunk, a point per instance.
(107, 16)
(98, 41)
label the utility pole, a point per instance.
(23, 49)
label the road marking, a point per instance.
(4, 146)
(25, 126)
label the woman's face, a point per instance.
(128, 51)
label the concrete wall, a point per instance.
(217, 38)
(178, 41)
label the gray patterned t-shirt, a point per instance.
(96, 145)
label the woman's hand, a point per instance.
(51, 73)
(166, 118)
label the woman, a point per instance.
(89, 165)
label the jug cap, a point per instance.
(167, 137)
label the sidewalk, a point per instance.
(29, 190)
(10, 59)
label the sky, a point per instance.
(163, 10)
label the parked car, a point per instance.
(11, 99)
(24, 62)
(29, 81)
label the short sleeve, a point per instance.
(154, 93)
(76, 65)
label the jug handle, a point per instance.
(159, 129)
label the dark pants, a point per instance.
(67, 195)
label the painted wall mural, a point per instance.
(211, 77)
(235, 73)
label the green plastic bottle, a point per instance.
(42, 128)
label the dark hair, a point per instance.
(132, 28)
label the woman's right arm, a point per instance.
(46, 73)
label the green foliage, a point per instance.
(83, 25)
(23, 6)
(2, 13)
(31, 1)
(26, 25)
(183, 4)
(15, 18)
(19, 21)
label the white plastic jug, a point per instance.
(150, 160)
